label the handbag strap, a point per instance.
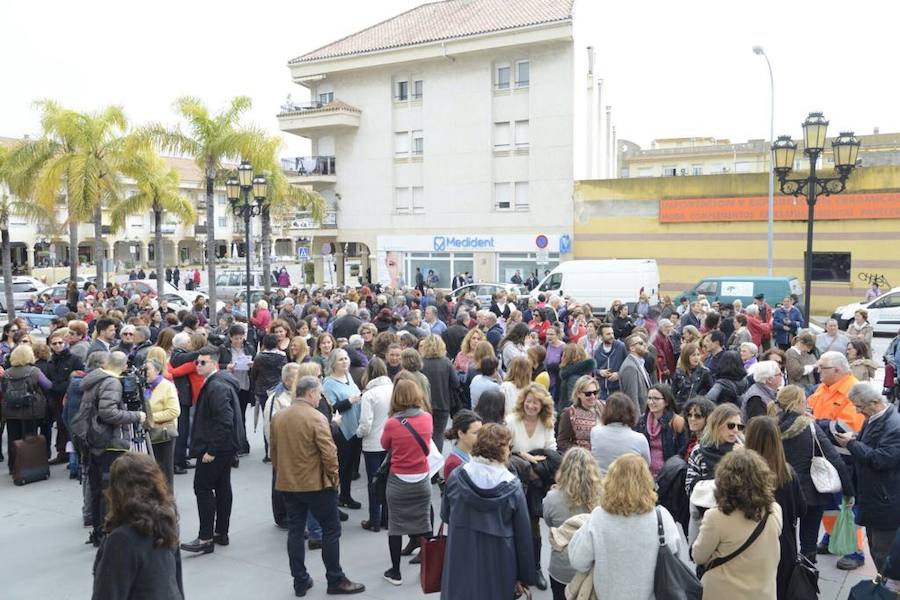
(659, 528)
(718, 562)
(416, 435)
(816, 443)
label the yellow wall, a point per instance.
(619, 218)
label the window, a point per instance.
(401, 143)
(222, 221)
(401, 200)
(418, 200)
(669, 171)
(418, 142)
(502, 77)
(521, 134)
(418, 86)
(220, 199)
(401, 90)
(501, 136)
(502, 199)
(717, 168)
(522, 73)
(743, 167)
(888, 301)
(831, 266)
(326, 97)
(521, 195)
(696, 169)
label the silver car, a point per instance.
(23, 288)
(485, 291)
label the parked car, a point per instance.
(230, 283)
(80, 280)
(485, 291)
(884, 312)
(23, 288)
(57, 294)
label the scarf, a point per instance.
(654, 427)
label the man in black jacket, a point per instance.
(62, 364)
(216, 437)
(349, 324)
(453, 335)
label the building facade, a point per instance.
(442, 140)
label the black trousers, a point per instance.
(184, 436)
(164, 453)
(279, 508)
(244, 397)
(98, 476)
(212, 486)
(349, 454)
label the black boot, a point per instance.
(540, 581)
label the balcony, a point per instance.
(303, 222)
(310, 170)
(165, 228)
(314, 118)
(199, 229)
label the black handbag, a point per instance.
(672, 580)
(718, 562)
(803, 584)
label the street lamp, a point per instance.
(845, 149)
(758, 50)
(238, 190)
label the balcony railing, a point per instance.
(303, 221)
(290, 107)
(309, 165)
(199, 229)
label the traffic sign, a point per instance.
(541, 241)
(303, 253)
(543, 256)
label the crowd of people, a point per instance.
(700, 426)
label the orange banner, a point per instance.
(787, 208)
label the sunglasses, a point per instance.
(658, 398)
(590, 392)
(57, 343)
(694, 415)
(733, 426)
(200, 363)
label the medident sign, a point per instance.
(444, 243)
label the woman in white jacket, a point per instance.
(619, 542)
(375, 409)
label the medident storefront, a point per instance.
(484, 257)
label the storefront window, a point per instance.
(525, 263)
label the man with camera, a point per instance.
(216, 437)
(109, 434)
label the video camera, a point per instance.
(134, 382)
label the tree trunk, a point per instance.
(211, 235)
(9, 302)
(266, 250)
(98, 245)
(73, 248)
(158, 249)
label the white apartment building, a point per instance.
(442, 141)
(37, 246)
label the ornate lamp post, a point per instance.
(845, 148)
(238, 190)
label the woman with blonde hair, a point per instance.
(576, 492)
(576, 421)
(518, 377)
(745, 507)
(531, 425)
(620, 541)
(463, 360)
(162, 398)
(298, 350)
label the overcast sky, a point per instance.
(670, 69)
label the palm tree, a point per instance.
(10, 206)
(158, 191)
(211, 140)
(81, 153)
(283, 198)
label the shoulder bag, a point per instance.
(718, 562)
(824, 475)
(432, 554)
(672, 579)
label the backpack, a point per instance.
(85, 429)
(21, 399)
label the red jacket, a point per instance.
(407, 456)
(190, 369)
(665, 356)
(759, 331)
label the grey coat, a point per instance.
(635, 381)
(106, 390)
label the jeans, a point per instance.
(184, 435)
(313, 527)
(279, 511)
(377, 512)
(261, 402)
(809, 528)
(212, 486)
(439, 419)
(348, 461)
(322, 505)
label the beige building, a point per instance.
(692, 156)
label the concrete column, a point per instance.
(29, 257)
(364, 264)
(141, 254)
(339, 275)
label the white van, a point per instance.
(599, 282)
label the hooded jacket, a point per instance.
(484, 507)
(218, 428)
(105, 389)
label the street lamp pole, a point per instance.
(238, 190)
(771, 230)
(845, 148)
